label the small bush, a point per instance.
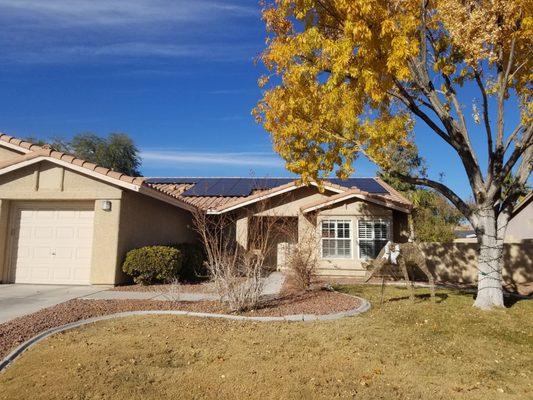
(193, 261)
(153, 264)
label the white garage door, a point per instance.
(52, 243)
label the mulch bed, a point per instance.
(319, 302)
(17, 331)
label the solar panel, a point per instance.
(239, 187)
(365, 184)
(222, 187)
(243, 188)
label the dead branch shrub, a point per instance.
(302, 261)
(172, 291)
(235, 264)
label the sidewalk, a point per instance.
(272, 286)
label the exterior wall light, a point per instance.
(106, 205)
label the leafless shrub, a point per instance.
(302, 260)
(236, 261)
(172, 290)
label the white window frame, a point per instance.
(388, 222)
(350, 239)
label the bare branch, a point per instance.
(527, 143)
(503, 77)
(440, 187)
(486, 119)
(512, 137)
(409, 101)
(456, 136)
(522, 175)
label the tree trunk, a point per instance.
(490, 260)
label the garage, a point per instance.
(51, 242)
(67, 221)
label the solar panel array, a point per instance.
(369, 185)
(241, 187)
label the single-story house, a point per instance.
(67, 221)
(519, 228)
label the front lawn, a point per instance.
(395, 351)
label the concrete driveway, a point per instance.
(17, 300)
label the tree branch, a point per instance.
(485, 114)
(409, 101)
(516, 189)
(527, 143)
(458, 137)
(503, 77)
(512, 136)
(446, 191)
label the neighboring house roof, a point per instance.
(214, 195)
(462, 233)
(520, 206)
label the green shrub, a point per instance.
(194, 257)
(153, 264)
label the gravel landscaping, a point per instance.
(19, 330)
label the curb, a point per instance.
(363, 307)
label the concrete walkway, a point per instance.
(124, 295)
(273, 283)
(272, 286)
(17, 300)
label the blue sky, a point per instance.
(178, 76)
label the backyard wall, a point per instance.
(456, 262)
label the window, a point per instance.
(336, 238)
(373, 235)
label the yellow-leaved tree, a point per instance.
(352, 77)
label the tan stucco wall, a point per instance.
(456, 262)
(145, 221)
(7, 154)
(291, 203)
(105, 263)
(352, 210)
(4, 218)
(47, 182)
(521, 226)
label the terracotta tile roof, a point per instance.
(218, 203)
(18, 142)
(38, 151)
(203, 202)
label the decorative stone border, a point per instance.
(363, 307)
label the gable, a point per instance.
(289, 204)
(48, 180)
(355, 206)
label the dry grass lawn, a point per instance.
(395, 351)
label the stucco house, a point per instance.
(67, 221)
(520, 227)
